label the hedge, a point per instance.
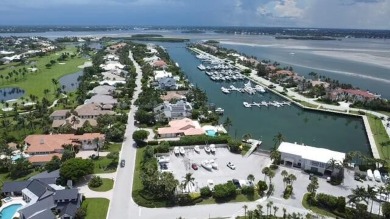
(201, 140)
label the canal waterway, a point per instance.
(336, 132)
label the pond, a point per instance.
(70, 81)
(10, 93)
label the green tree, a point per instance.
(359, 194)
(279, 138)
(262, 187)
(95, 182)
(144, 117)
(21, 167)
(140, 136)
(188, 179)
(53, 164)
(76, 168)
(371, 194)
(245, 207)
(386, 209)
(81, 213)
(67, 154)
(251, 177)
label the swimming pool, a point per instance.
(211, 133)
(9, 211)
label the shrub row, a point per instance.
(203, 139)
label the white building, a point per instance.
(308, 158)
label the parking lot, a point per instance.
(181, 165)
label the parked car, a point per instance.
(123, 162)
(194, 166)
(231, 165)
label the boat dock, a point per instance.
(267, 104)
(254, 144)
(370, 136)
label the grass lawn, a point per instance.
(4, 177)
(96, 208)
(380, 136)
(106, 186)
(102, 165)
(384, 112)
(316, 209)
(306, 104)
(114, 147)
(44, 76)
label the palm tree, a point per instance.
(278, 139)
(95, 140)
(284, 174)
(227, 123)
(284, 212)
(265, 171)
(381, 190)
(188, 179)
(275, 155)
(291, 178)
(276, 208)
(358, 194)
(371, 194)
(333, 164)
(251, 177)
(247, 136)
(271, 174)
(245, 208)
(260, 209)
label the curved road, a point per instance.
(122, 205)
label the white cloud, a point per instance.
(287, 9)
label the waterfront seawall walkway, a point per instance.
(370, 135)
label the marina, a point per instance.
(320, 129)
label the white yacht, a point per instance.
(219, 110)
(214, 164)
(225, 90)
(207, 149)
(259, 89)
(176, 150)
(201, 67)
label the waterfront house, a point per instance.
(309, 158)
(159, 64)
(180, 109)
(352, 95)
(44, 199)
(42, 148)
(180, 127)
(174, 95)
(59, 114)
(151, 59)
(161, 74)
(111, 65)
(167, 83)
(102, 90)
(102, 100)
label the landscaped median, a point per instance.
(381, 137)
(99, 184)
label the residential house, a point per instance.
(151, 59)
(112, 77)
(167, 83)
(111, 65)
(102, 99)
(42, 148)
(59, 114)
(102, 89)
(181, 127)
(180, 109)
(93, 110)
(161, 74)
(353, 95)
(74, 121)
(174, 95)
(43, 197)
(159, 64)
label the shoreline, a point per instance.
(320, 108)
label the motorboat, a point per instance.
(225, 90)
(201, 67)
(212, 148)
(176, 150)
(207, 149)
(219, 110)
(197, 149)
(247, 105)
(259, 89)
(206, 164)
(182, 151)
(214, 164)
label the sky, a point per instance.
(362, 14)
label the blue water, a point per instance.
(70, 82)
(10, 93)
(8, 212)
(211, 133)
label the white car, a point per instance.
(231, 165)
